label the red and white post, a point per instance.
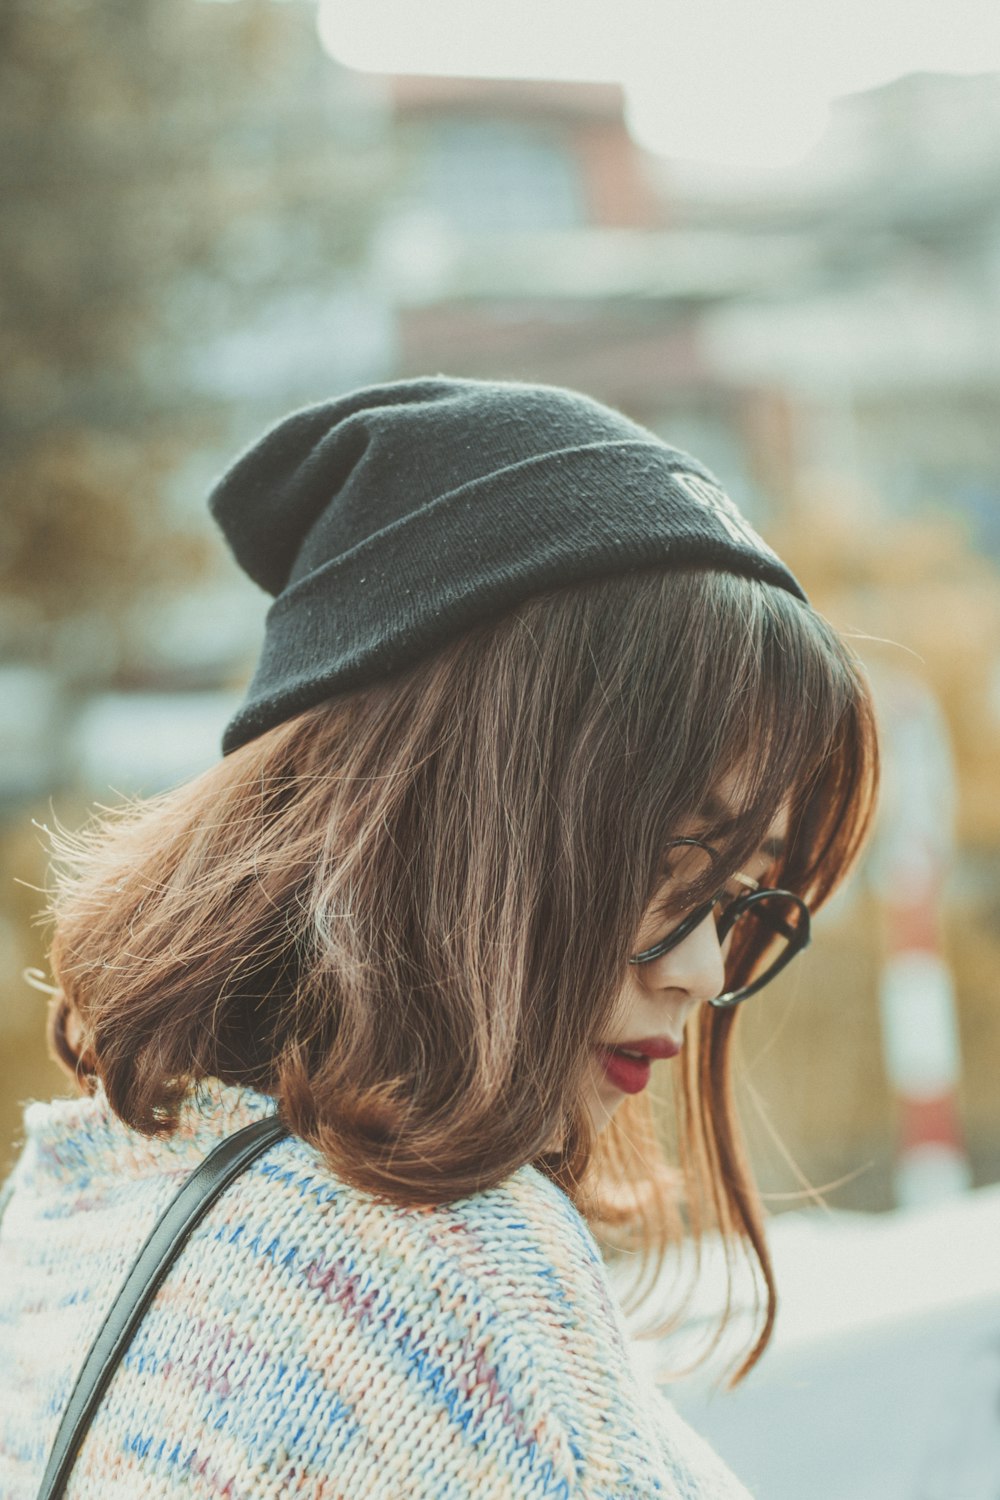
(916, 991)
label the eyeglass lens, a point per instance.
(762, 932)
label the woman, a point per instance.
(539, 726)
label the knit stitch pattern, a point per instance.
(314, 1341)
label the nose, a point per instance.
(696, 966)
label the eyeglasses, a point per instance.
(765, 928)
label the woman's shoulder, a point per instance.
(307, 1315)
(518, 1254)
(497, 1305)
(521, 1244)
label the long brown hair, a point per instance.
(406, 913)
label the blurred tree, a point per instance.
(175, 178)
(169, 172)
(920, 597)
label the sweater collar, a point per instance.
(70, 1139)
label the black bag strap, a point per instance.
(187, 1207)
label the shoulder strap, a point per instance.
(189, 1204)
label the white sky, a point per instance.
(740, 82)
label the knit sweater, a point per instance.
(314, 1341)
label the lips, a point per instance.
(628, 1067)
(653, 1047)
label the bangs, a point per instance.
(727, 700)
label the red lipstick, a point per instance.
(631, 1074)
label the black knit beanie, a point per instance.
(389, 521)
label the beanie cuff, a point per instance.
(480, 550)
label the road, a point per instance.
(883, 1380)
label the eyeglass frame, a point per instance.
(797, 939)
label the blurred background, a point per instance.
(774, 238)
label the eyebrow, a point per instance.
(714, 811)
(774, 848)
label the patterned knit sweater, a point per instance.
(311, 1341)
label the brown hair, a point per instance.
(406, 913)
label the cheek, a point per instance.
(652, 928)
(630, 997)
(601, 1099)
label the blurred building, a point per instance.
(532, 239)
